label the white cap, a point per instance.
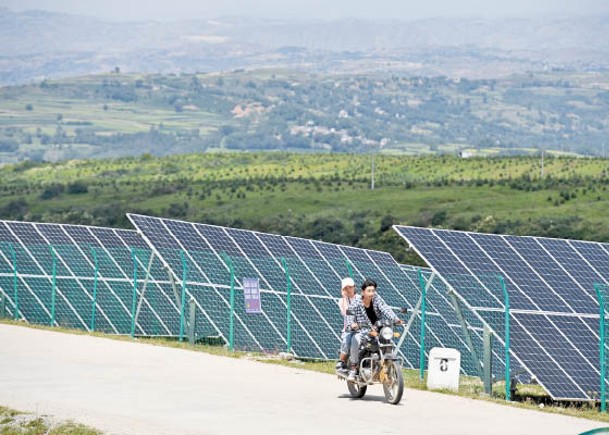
(347, 282)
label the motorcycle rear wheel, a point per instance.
(394, 388)
(356, 391)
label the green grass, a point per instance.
(305, 194)
(14, 422)
(531, 397)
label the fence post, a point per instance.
(15, 283)
(94, 302)
(192, 318)
(601, 303)
(487, 338)
(349, 267)
(231, 324)
(289, 307)
(423, 320)
(183, 300)
(134, 297)
(54, 283)
(2, 305)
(506, 298)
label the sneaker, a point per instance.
(351, 377)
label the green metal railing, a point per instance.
(602, 293)
(448, 297)
(140, 292)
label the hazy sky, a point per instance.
(164, 10)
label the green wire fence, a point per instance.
(141, 292)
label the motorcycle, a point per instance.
(379, 363)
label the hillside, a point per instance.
(36, 45)
(115, 114)
(325, 197)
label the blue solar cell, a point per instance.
(54, 234)
(218, 239)
(545, 277)
(26, 232)
(81, 236)
(304, 248)
(5, 234)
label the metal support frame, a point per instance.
(231, 324)
(54, 284)
(183, 299)
(173, 284)
(15, 283)
(146, 280)
(134, 297)
(508, 374)
(95, 278)
(415, 310)
(602, 332)
(192, 321)
(424, 288)
(2, 304)
(465, 330)
(289, 305)
(487, 337)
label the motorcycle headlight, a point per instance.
(387, 333)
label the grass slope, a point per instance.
(325, 196)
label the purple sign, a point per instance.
(251, 293)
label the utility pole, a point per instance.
(372, 173)
(542, 163)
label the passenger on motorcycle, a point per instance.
(348, 296)
(366, 310)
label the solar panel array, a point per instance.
(117, 281)
(553, 308)
(312, 269)
(83, 277)
(444, 328)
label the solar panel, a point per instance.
(550, 282)
(83, 277)
(443, 328)
(312, 269)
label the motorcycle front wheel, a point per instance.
(394, 387)
(356, 391)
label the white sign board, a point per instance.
(443, 369)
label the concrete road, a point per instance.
(136, 388)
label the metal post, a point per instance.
(231, 323)
(506, 297)
(601, 303)
(183, 301)
(414, 312)
(192, 321)
(289, 303)
(2, 305)
(94, 302)
(423, 312)
(54, 283)
(464, 328)
(143, 292)
(134, 297)
(15, 283)
(349, 268)
(487, 337)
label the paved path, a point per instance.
(135, 388)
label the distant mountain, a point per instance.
(36, 45)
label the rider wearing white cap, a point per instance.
(348, 296)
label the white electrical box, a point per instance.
(443, 369)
